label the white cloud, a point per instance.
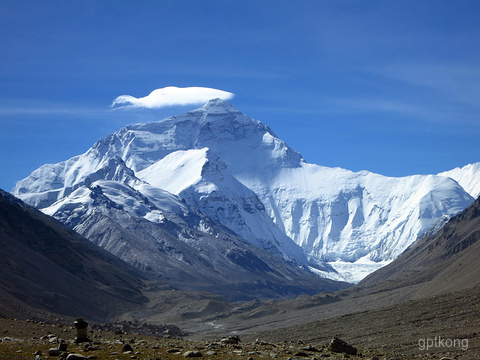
(171, 96)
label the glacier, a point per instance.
(160, 234)
(234, 169)
(467, 176)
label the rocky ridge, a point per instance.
(46, 268)
(180, 249)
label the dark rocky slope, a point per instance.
(440, 263)
(47, 268)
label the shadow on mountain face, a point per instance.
(47, 267)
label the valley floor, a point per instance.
(442, 327)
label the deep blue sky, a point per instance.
(391, 87)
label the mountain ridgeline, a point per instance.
(437, 264)
(213, 195)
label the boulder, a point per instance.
(339, 346)
(76, 357)
(192, 354)
(234, 339)
(127, 347)
(54, 352)
(301, 354)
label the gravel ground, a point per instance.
(441, 327)
(33, 340)
(445, 327)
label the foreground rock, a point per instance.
(76, 357)
(193, 354)
(339, 346)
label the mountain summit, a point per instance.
(235, 170)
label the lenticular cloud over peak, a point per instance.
(171, 96)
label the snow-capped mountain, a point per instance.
(205, 182)
(158, 233)
(468, 177)
(238, 172)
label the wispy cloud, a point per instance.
(428, 91)
(29, 107)
(456, 82)
(425, 109)
(376, 105)
(171, 96)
